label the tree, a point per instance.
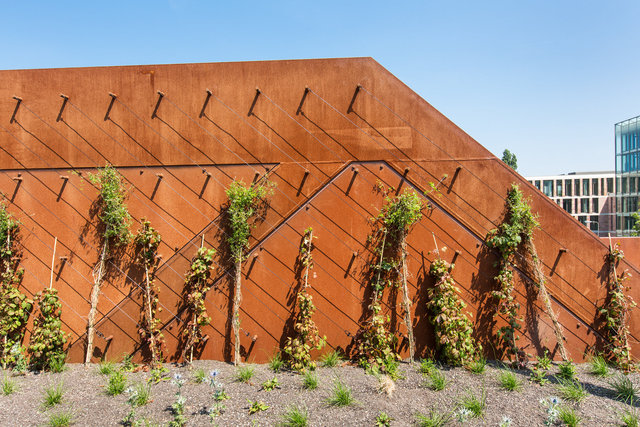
(510, 159)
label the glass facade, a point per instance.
(627, 143)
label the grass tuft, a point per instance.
(478, 366)
(624, 388)
(244, 374)
(53, 396)
(199, 376)
(310, 380)
(61, 419)
(437, 380)
(9, 386)
(509, 381)
(567, 371)
(572, 390)
(569, 416)
(427, 366)
(331, 359)
(141, 395)
(116, 384)
(434, 418)
(340, 395)
(599, 366)
(295, 416)
(630, 418)
(474, 404)
(276, 363)
(106, 368)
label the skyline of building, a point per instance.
(627, 143)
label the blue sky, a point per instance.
(546, 79)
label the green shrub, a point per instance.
(116, 384)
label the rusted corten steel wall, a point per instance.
(326, 131)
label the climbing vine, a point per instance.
(616, 311)
(46, 346)
(453, 329)
(15, 307)
(244, 202)
(147, 241)
(197, 284)
(115, 220)
(299, 348)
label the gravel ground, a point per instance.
(85, 397)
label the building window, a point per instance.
(595, 205)
(537, 184)
(594, 225)
(584, 205)
(567, 188)
(547, 187)
(632, 184)
(624, 185)
(602, 186)
(610, 185)
(585, 187)
(594, 187)
(566, 205)
(583, 219)
(576, 185)
(559, 188)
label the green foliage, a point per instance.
(427, 366)
(309, 380)
(47, 338)
(478, 366)
(199, 375)
(567, 370)
(127, 363)
(178, 406)
(341, 395)
(437, 380)
(116, 384)
(616, 312)
(298, 349)
(147, 241)
(61, 419)
(572, 390)
(376, 345)
(295, 416)
(400, 213)
(197, 283)
(510, 159)
(383, 420)
(517, 228)
(476, 405)
(53, 395)
(276, 363)
(630, 417)
(139, 395)
(509, 381)
(9, 386)
(106, 368)
(113, 210)
(331, 359)
(568, 416)
(453, 329)
(434, 418)
(257, 406)
(158, 374)
(271, 384)
(624, 389)
(244, 374)
(15, 307)
(540, 369)
(598, 366)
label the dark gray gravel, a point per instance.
(86, 399)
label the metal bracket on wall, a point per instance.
(155, 110)
(206, 102)
(15, 110)
(65, 99)
(113, 99)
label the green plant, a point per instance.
(276, 363)
(127, 364)
(295, 416)
(116, 384)
(257, 406)
(15, 307)
(383, 420)
(178, 406)
(147, 241)
(9, 386)
(53, 395)
(197, 283)
(58, 364)
(244, 374)
(199, 376)
(616, 311)
(453, 329)
(426, 366)
(598, 366)
(341, 395)
(572, 390)
(552, 405)
(624, 389)
(569, 416)
(47, 341)
(61, 419)
(630, 417)
(158, 374)
(216, 410)
(310, 380)
(139, 395)
(509, 381)
(298, 348)
(271, 384)
(567, 370)
(106, 368)
(474, 404)
(331, 359)
(540, 369)
(437, 380)
(244, 202)
(434, 418)
(478, 366)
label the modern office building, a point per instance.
(588, 196)
(627, 173)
